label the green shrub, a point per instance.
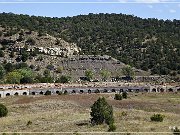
(176, 131)
(112, 128)
(118, 97)
(157, 117)
(3, 110)
(124, 95)
(29, 123)
(124, 113)
(101, 112)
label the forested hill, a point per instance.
(144, 43)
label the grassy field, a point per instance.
(71, 113)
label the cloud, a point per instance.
(172, 11)
(178, 5)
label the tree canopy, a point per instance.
(148, 44)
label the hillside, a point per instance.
(44, 58)
(148, 44)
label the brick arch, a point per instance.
(73, 91)
(41, 93)
(24, 93)
(8, 94)
(16, 94)
(170, 89)
(81, 91)
(154, 90)
(89, 91)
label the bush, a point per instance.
(176, 131)
(3, 110)
(112, 128)
(29, 123)
(30, 41)
(118, 97)
(63, 79)
(101, 112)
(50, 67)
(157, 117)
(124, 95)
(48, 92)
(1, 53)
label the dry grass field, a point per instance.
(71, 113)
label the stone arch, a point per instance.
(105, 91)
(130, 90)
(89, 91)
(41, 93)
(170, 89)
(65, 92)
(57, 92)
(162, 90)
(16, 94)
(97, 91)
(33, 93)
(146, 90)
(113, 90)
(81, 91)
(121, 90)
(153, 90)
(8, 94)
(24, 93)
(137, 90)
(73, 91)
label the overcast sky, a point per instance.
(161, 9)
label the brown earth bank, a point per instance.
(71, 113)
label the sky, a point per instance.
(161, 9)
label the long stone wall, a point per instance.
(80, 90)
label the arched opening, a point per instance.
(24, 93)
(121, 90)
(0, 95)
(48, 92)
(130, 90)
(170, 90)
(41, 93)
(153, 90)
(137, 90)
(7, 94)
(73, 91)
(105, 91)
(161, 90)
(97, 91)
(65, 92)
(16, 94)
(57, 92)
(146, 90)
(113, 90)
(89, 91)
(81, 91)
(178, 90)
(33, 93)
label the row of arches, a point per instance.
(162, 90)
(15, 94)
